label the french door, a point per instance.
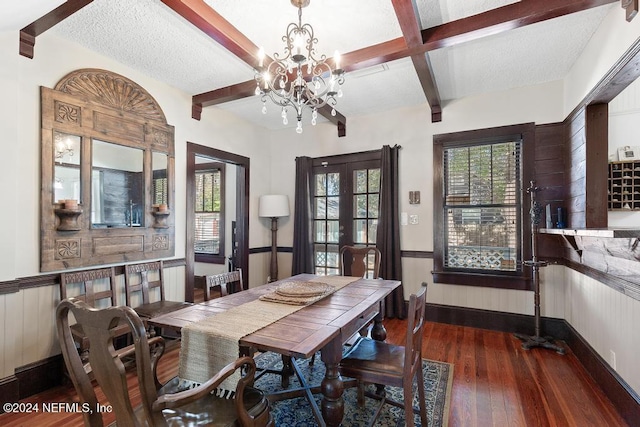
(346, 199)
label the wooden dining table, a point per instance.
(322, 326)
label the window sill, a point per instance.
(485, 280)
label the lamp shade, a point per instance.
(273, 206)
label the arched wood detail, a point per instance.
(113, 90)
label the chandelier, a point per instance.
(299, 77)
(62, 147)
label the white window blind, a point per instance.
(208, 207)
(482, 206)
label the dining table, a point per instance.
(324, 325)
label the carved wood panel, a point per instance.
(97, 104)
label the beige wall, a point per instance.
(26, 317)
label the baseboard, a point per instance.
(623, 397)
(9, 390)
(494, 320)
(32, 378)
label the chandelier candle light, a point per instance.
(299, 78)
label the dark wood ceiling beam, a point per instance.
(210, 22)
(409, 21)
(226, 94)
(29, 33)
(474, 27)
(631, 8)
(505, 18)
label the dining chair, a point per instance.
(356, 261)
(137, 279)
(378, 362)
(170, 404)
(88, 286)
(222, 280)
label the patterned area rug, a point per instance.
(297, 412)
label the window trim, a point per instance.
(220, 257)
(506, 280)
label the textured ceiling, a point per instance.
(148, 36)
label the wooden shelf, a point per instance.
(593, 232)
(624, 186)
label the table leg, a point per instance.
(378, 332)
(287, 371)
(332, 387)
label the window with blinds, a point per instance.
(481, 206)
(160, 190)
(208, 213)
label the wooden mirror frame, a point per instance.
(99, 104)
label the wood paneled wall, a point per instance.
(549, 174)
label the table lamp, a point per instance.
(274, 206)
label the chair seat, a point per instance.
(373, 359)
(211, 409)
(157, 308)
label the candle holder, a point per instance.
(68, 219)
(161, 218)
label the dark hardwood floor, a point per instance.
(495, 383)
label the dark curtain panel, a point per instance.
(302, 229)
(388, 236)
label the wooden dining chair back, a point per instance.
(222, 280)
(87, 290)
(377, 362)
(138, 280)
(359, 261)
(82, 285)
(161, 405)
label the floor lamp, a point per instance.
(274, 206)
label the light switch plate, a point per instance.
(404, 218)
(413, 219)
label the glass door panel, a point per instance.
(345, 203)
(327, 232)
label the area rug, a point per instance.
(297, 412)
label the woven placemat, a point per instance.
(299, 293)
(303, 289)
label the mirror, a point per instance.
(624, 116)
(108, 172)
(66, 179)
(117, 186)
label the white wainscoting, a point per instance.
(27, 320)
(418, 270)
(608, 320)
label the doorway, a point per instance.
(346, 203)
(239, 251)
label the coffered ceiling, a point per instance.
(396, 52)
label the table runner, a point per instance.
(210, 344)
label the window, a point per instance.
(479, 211)
(345, 207)
(209, 213)
(160, 190)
